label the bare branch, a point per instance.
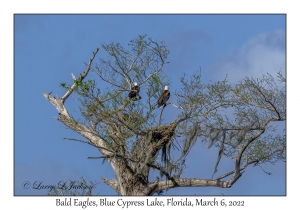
(112, 183)
(241, 169)
(159, 119)
(179, 107)
(82, 76)
(164, 185)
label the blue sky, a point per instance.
(47, 48)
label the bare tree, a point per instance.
(238, 119)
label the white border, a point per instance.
(8, 8)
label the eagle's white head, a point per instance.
(135, 84)
(166, 88)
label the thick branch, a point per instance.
(85, 132)
(164, 185)
(81, 129)
(112, 183)
(58, 103)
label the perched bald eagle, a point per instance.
(164, 97)
(134, 92)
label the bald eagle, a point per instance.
(134, 92)
(164, 97)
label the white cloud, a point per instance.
(259, 55)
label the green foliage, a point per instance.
(240, 110)
(63, 85)
(281, 77)
(80, 87)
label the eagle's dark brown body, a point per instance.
(134, 92)
(163, 98)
